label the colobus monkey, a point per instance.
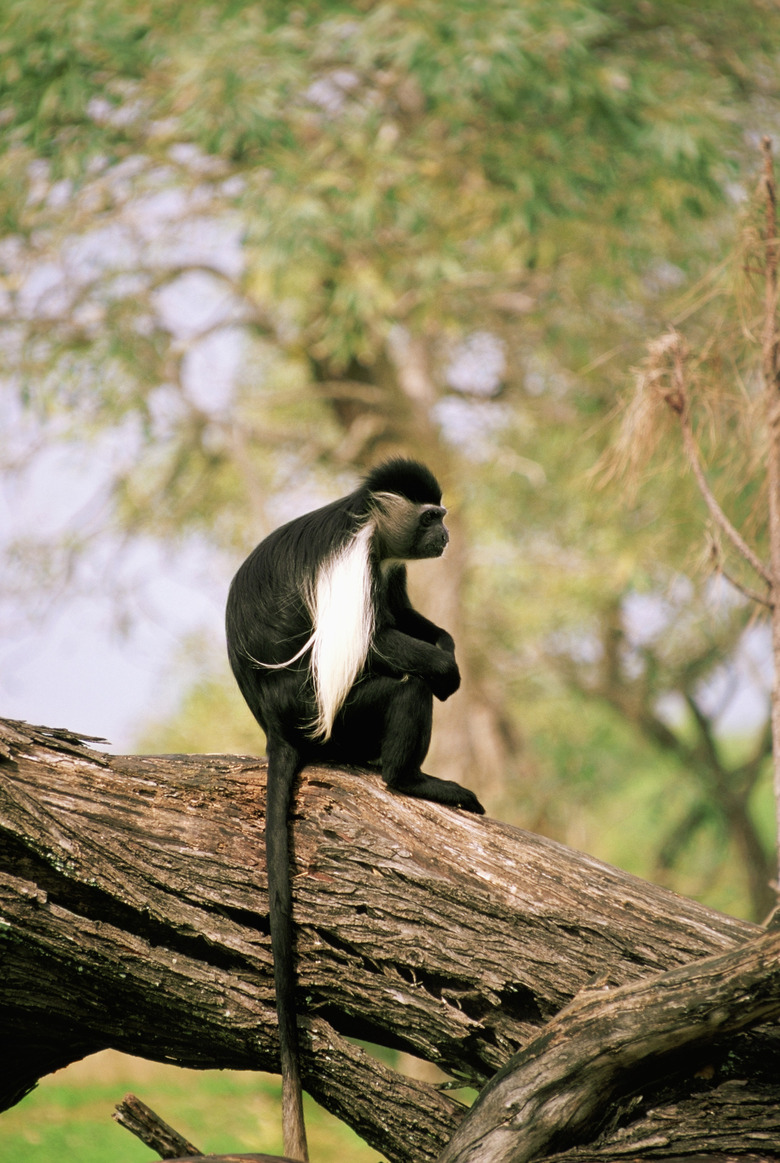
(337, 666)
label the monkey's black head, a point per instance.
(409, 516)
(405, 478)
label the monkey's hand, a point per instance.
(397, 654)
(446, 642)
(444, 677)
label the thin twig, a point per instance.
(746, 591)
(717, 514)
(677, 400)
(771, 342)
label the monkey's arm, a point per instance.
(408, 620)
(411, 644)
(395, 653)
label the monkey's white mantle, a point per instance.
(133, 914)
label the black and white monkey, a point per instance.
(337, 666)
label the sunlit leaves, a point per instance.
(396, 152)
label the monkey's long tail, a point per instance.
(283, 765)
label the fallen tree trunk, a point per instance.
(133, 915)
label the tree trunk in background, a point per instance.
(472, 740)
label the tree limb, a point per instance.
(133, 914)
(559, 1086)
(135, 1116)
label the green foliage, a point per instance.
(612, 794)
(212, 718)
(397, 153)
(68, 1117)
(52, 64)
(398, 161)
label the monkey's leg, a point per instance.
(390, 719)
(407, 736)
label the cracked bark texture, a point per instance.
(133, 915)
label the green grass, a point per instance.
(68, 1117)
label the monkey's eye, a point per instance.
(431, 517)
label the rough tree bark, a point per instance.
(133, 915)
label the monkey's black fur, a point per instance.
(385, 716)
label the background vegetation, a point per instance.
(249, 248)
(69, 1115)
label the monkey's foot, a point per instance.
(440, 791)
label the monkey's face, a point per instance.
(431, 536)
(407, 530)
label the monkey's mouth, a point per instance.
(436, 548)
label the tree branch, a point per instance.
(748, 592)
(558, 1087)
(135, 1116)
(134, 915)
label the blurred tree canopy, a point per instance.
(249, 248)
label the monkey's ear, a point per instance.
(392, 506)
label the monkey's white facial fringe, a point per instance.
(342, 612)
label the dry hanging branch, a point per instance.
(664, 380)
(678, 401)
